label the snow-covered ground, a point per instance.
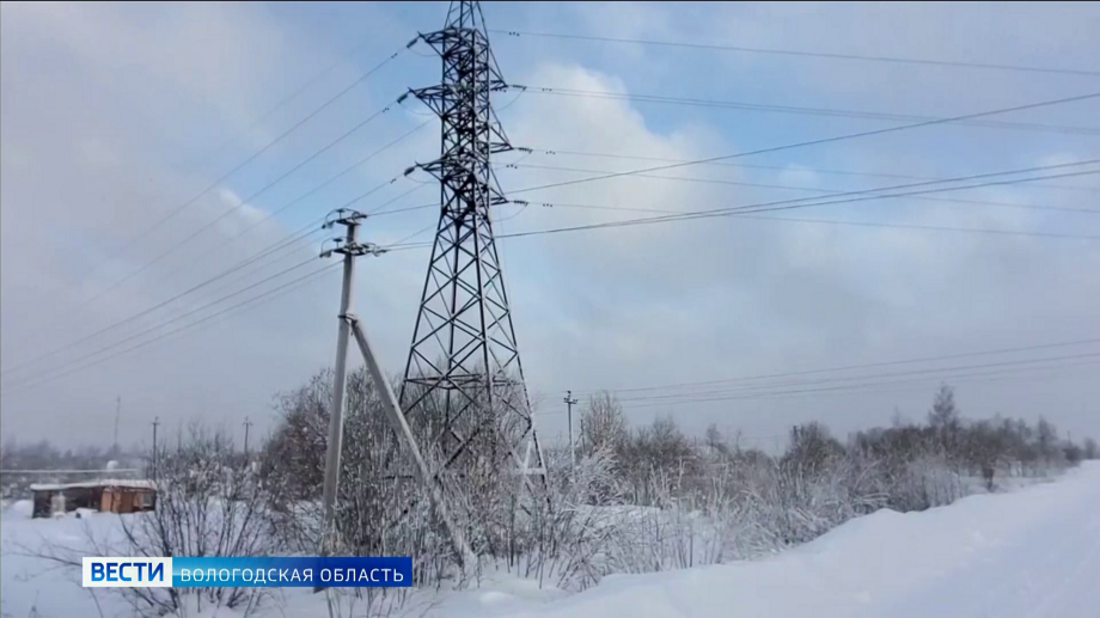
(1034, 552)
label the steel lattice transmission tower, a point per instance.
(464, 360)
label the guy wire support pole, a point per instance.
(404, 433)
(464, 357)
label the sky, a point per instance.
(145, 148)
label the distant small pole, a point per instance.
(569, 401)
(118, 414)
(156, 421)
(247, 423)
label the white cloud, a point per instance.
(230, 197)
(97, 153)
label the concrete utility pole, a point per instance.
(247, 423)
(569, 401)
(156, 422)
(118, 414)
(348, 247)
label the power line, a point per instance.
(798, 203)
(896, 374)
(427, 228)
(788, 109)
(907, 361)
(293, 95)
(406, 209)
(852, 387)
(799, 188)
(242, 203)
(259, 120)
(308, 193)
(285, 288)
(107, 348)
(955, 179)
(918, 227)
(779, 205)
(815, 142)
(748, 209)
(816, 170)
(869, 224)
(326, 183)
(811, 54)
(297, 246)
(271, 250)
(689, 398)
(292, 240)
(244, 163)
(302, 233)
(177, 318)
(833, 222)
(196, 310)
(245, 201)
(273, 213)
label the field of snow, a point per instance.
(1034, 552)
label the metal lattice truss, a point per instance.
(464, 366)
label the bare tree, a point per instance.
(812, 450)
(603, 425)
(1046, 440)
(945, 420)
(1090, 451)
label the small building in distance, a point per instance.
(108, 496)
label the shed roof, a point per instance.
(129, 483)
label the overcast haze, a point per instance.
(112, 115)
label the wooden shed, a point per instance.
(109, 496)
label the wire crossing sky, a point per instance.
(940, 163)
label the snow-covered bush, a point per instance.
(638, 499)
(208, 504)
(563, 536)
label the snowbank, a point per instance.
(20, 509)
(34, 586)
(1031, 553)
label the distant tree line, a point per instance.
(649, 457)
(42, 455)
